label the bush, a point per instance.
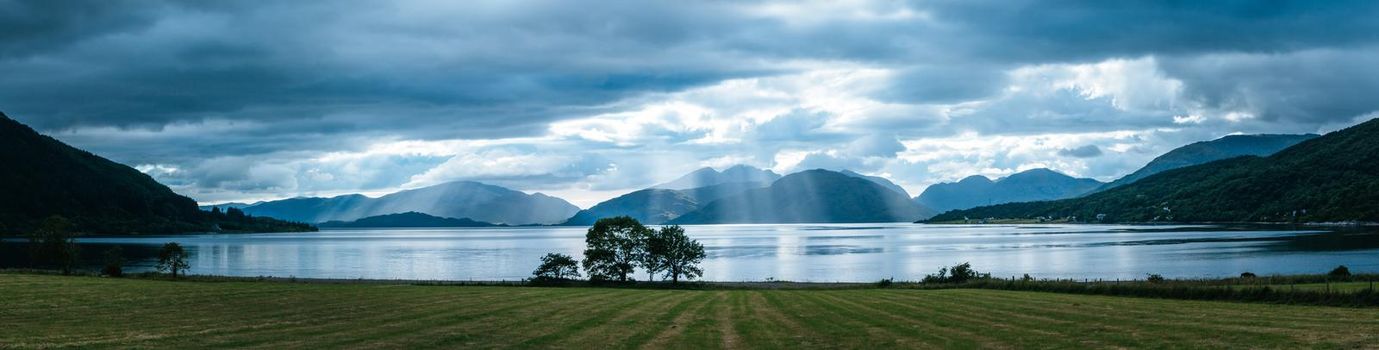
(886, 282)
(960, 273)
(1339, 272)
(1155, 278)
(1248, 275)
(114, 262)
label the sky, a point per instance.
(252, 100)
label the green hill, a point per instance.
(1329, 178)
(44, 177)
(1208, 151)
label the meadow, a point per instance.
(45, 311)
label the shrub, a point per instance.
(114, 262)
(1248, 275)
(1155, 278)
(1339, 272)
(885, 282)
(959, 273)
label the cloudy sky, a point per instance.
(257, 100)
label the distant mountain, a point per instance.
(1030, 185)
(44, 177)
(708, 177)
(813, 196)
(223, 206)
(655, 206)
(460, 199)
(408, 219)
(1208, 151)
(1334, 177)
(879, 181)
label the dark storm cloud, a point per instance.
(1307, 87)
(1087, 151)
(174, 82)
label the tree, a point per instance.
(650, 256)
(613, 247)
(556, 267)
(114, 262)
(54, 245)
(677, 254)
(172, 258)
(235, 214)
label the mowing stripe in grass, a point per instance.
(396, 314)
(903, 332)
(427, 328)
(599, 315)
(1096, 324)
(920, 321)
(666, 322)
(675, 328)
(499, 327)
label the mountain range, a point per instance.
(655, 206)
(705, 177)
(811, 196)
(408, 219)
(1030, 185)
(1209, 151)
(459, 199)
(1334, 177)
(43, 177)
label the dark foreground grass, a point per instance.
(53, 311)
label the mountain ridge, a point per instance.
(811, 196)
(977, 190)
(1334, 177)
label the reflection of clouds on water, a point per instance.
(812, 252)
(839, 250)
(822, 238)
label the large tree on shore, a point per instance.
(677, 254)
(614, 247)
(54, 245)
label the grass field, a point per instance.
(54, 311)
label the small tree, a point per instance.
(613, 248)
(556, 267)
(172, 258)
(677, 254)
(54, 245)
(114, 262)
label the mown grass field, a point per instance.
(39, 311)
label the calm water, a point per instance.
(819, 253)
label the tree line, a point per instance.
(615, 247)
(53, 245)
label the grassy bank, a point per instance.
(45, 311)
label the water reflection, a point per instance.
(785, 252)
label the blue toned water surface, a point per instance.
(809, 252)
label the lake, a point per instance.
(809, 252)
